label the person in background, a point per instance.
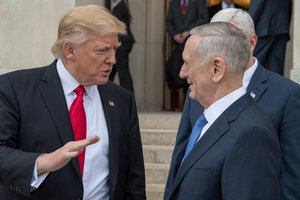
(278, 97)
(272, 23)
(232, 152)
(66, 131)
(183, 15)
(212, 10)
(120, 9)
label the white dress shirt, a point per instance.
(218, 107)
(249, 73)
(96, 165)
(229, 5)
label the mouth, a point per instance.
(106, 73)
(189, 82)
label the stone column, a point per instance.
(28, 30)
(295, 72)
(146, 58)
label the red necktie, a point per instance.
(183, 7)
(78, 120)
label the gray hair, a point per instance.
(221, 39)
(81, 21)
(237, 17)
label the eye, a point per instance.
(102, 51)
(116, 47)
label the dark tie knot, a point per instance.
(79, 90)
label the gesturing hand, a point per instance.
(53, 161)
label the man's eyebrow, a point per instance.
(105, 45)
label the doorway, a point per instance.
(173, 98)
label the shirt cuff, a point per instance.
(37, 180)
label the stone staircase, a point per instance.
(158, 132)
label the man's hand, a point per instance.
(185, 35)
(179, 39)
(53, 161)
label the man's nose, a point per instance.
(183, 72)
(112, 57)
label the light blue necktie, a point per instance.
(200, 123)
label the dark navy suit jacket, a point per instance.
(237, 158)
(271, 17)
(279, 98)
(34, 119)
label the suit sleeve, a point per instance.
(185, 121)
(16, 166)
(170, 19)
(252, 168)
(135, 185)
(290, 144)
(181, 140)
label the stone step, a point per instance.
(158, 132)
(156, 173)
(157, 154)
(155, 191)
(165, 137)
(159, 120)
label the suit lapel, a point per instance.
(258, 83)
(209, 139)
(212, 135)
(110, 108)
(52, 93)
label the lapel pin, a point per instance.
(111, 103)
(252, 94)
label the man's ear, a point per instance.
(218, 69)
(252, 41)
(68, 51)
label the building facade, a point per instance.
(29, 28)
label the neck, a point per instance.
(251, 62)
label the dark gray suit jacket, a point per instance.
(121, 11)
(237, 158)
(34, 119)
(279, 98)
(196, 15)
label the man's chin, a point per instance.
(191, 94)
(101, 81)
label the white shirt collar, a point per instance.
(69, 83)
(249, 73)
(225, 5)
(217, 108)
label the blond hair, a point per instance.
(75, 26)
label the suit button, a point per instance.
(79, 197)
(12, 187)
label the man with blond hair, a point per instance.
(67, 132)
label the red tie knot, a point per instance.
(79, 90)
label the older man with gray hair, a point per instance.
(232, 152)
(277, 96)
